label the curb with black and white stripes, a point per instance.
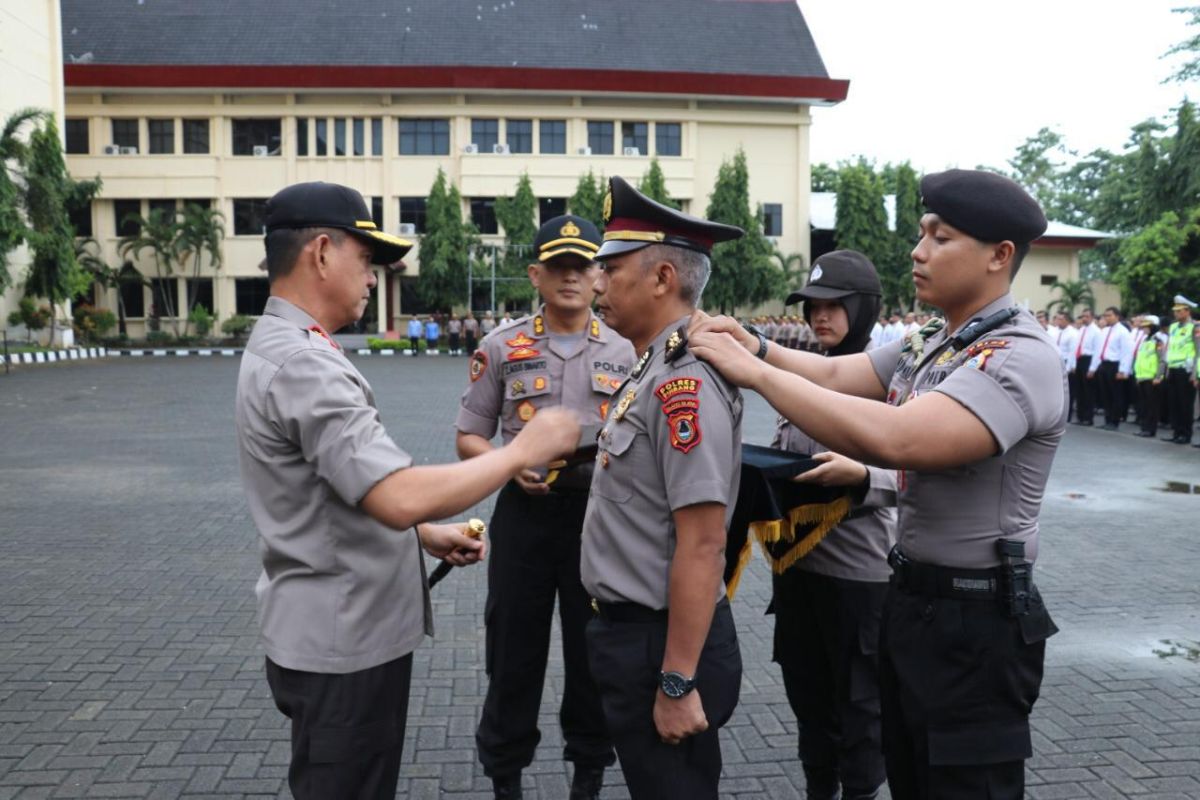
(160, 352)
(51, 356)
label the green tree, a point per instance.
(14, 153)
(744, 271)
(1157, 260)
(156, 233)
(793, 267)
(861, 222)
(1039, 165)
(1189, 69)
(87, 253)
(895, 274)
(517, 215)
(824, 178)
(49, 195)
(1071, 295)
(445, 247)
(588, 200)
(199, 231)
(654, 185)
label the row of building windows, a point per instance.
(162, 295)
(339, 136)
(249, 214)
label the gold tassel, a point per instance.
(743, 559)
(825, 516)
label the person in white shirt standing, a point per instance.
(1066, 338)
(1112, 366)
(1082, 385)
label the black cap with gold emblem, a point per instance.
(633, 221)
(330, 205)
(567, 234)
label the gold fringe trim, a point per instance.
(825, 516)
(744, 556)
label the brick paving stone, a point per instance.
(130, 665)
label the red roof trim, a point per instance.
(1066, 243)
(449, 77)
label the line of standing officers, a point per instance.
(912, 643)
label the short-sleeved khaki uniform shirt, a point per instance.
(339, 592)
(672, 439)
(1011, 378)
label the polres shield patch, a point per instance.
(478, 365)
(685, 430)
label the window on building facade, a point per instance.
(424, 137)
(77, 136)
(251, 133)
(302, 136)
(132, 290)
(519, 135)
(123, 209)
(552, 135)
(376, 136)
(360, 136)
(199, 293)
(164, 295)
(377, 212)
(483, 214)
(249, 216)
(1049, 280)
(412, 211)
(250, 295)
(600, 138)
(668, 138)
(167, 208)
(485, 133)
(81, 218)
(635, 134)
(551, 207)
(772, 219)
(195, 136)
(125, 132)
(162, 135)
(321, 129)
(339, 137)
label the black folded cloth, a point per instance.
(788, 519)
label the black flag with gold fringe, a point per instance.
(787, 519)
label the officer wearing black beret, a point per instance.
(972, 415)
(560, 355)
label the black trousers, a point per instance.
(1085, 391)
(534, 558)
(958, 680)
(1112, 392)
(412, 343)
(471, 340)
(347, 730)
(1181, 398)
(626, 658)
(1148, 406)
(454, 341)
(827, 644)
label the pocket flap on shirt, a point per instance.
(620, 438)
(605, 383)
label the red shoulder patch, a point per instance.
(678, 394)
(522, 353)
(685, 430)
(478, 365)
(520, 341)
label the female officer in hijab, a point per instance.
(828, 605)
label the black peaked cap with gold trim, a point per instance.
(330, 205)
(633, 221)
(567, 234)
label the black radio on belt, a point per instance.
(1016, 578)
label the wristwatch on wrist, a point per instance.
(674, 685)
(762, 340)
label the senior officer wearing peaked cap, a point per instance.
(340, 510)
(560, 355)
(663, 647)
(973, 415)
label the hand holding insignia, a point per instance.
(551, 434)
(457, 544)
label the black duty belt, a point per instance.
(628, 612)
(932, 580)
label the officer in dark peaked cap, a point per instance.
(972, 418)
(662, 645)
(560, 355)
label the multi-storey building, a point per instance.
(223, 104)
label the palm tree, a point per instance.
(156, 233)
(87, 253)
(1070, 295)
(200, 229)
(794, 269)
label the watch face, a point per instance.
(675, 685)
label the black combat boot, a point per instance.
(586, 783)
(507, 787)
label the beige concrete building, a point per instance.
(31, 63)
(167, 116)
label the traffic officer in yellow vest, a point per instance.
(1149, 369)
(972, 418)
(1181, 371)
(561, 355)
(663, 646)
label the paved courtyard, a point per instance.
(129, 664)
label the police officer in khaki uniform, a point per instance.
(562, 355)
(829, 604)
(972, 418)
(663, 647)
(339, 509)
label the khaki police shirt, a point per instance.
(339, 592)
(672, 439)
(1012, 380)
(520, 368)
(857, 549)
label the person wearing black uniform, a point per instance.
(828, 605)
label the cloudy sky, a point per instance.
(963, 82)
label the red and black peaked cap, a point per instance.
(633, 221)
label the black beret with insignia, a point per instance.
(987, 206)
(633, 221)
(567, 234)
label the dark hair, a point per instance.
(284, 246)
(1116, 311)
